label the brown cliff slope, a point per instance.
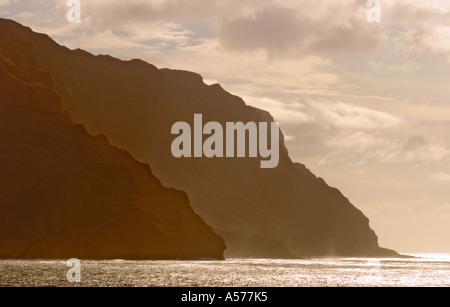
(65, 193)
(283, 212)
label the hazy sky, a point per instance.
(364, 105)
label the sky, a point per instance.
(364, 105)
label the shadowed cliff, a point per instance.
(65, 193)
(284, 212)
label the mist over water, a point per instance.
(429, 270)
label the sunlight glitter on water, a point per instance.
(430, 270)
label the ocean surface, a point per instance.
(428, 270)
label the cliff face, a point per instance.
(65, 193)
(283, 212)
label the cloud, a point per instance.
(287, 113)
(281, 28)
(405, 67)
(5, 6)
(298, 28)
(160, 37)
(7, 2)
(115, 13)
(414, 142)
(418, 27)
(335, 114)
(302, 30)
(332, 133)
(348, 116)
(440, 177)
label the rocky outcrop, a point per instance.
(65, 193)
(285, 212)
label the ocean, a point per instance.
(428, 270)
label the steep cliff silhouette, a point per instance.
(285, 212)
(65, 193)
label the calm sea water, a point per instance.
(429, 270)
